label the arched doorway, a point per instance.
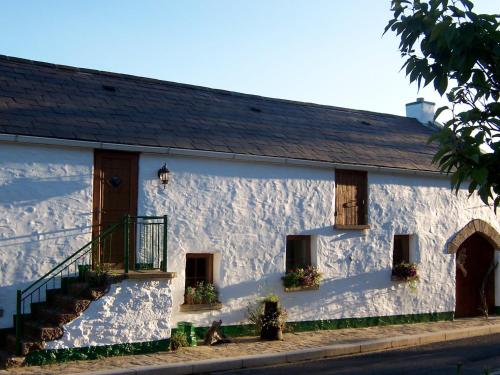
(474, 258)
(474, 247)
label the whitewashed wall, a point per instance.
(45, 213)
(242, 213)
(132, 311)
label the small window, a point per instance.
(298, 252)
(351, 199)
(401, 249)
(199, 268)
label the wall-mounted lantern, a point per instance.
(164, 175)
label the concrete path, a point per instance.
(249, 352)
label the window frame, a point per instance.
(308, 256)
(405, 249)
(209, 265)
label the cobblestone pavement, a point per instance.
(252, 346)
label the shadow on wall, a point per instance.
(54, 235)
(364, 291)
(32, 190)
(8, 302)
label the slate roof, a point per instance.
(47, 100)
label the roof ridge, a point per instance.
(191, 86)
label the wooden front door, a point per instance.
(115, 195)
(473, 259)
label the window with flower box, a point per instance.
(199, 268)
(300, 273)
(402, 268)
(200, 293)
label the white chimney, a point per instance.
(421, 110)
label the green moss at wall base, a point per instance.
(43, 357)
(315, 325)
(95, 352)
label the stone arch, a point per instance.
(475, 226)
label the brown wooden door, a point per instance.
(474, 257)
(115, 195)
(351, 197)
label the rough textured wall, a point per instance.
(132, 311)
(45, 213)
(242, 213)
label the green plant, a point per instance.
(255, 313)
(309, 277)
(178, 339)
(202, 293)
(99, 278)
(271, 297)
(209, 293)
(198, 296)
(405, 271)
(446, 43)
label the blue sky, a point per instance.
(322, 51)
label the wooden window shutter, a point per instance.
(351, 197)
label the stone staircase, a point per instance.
(46, 319)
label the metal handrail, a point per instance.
(92, 242)
(86, 253)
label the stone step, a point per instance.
(42, 330)
(68, 303)
(28, 344)
(8, 360)
(77, 289)
(53, 315)
(85, 291)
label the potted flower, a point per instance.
(269, 317)
(302, 279)
(202, 294)
(189, 296)
(406, 272)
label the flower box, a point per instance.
(405, 272)
(301, 288)
(203, 294)
(402, 279)
(201, 307)
(299, 279)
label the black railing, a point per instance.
(143, 246)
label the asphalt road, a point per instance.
(475, 355)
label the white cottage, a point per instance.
(257, 187)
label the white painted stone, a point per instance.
(132, 311)
(421, 110)
(45, 213)
(243, 212)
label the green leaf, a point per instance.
(439, 111)
(437, 31)
(441, 84)
(480, 175)
(456, 12)
(468, 4)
